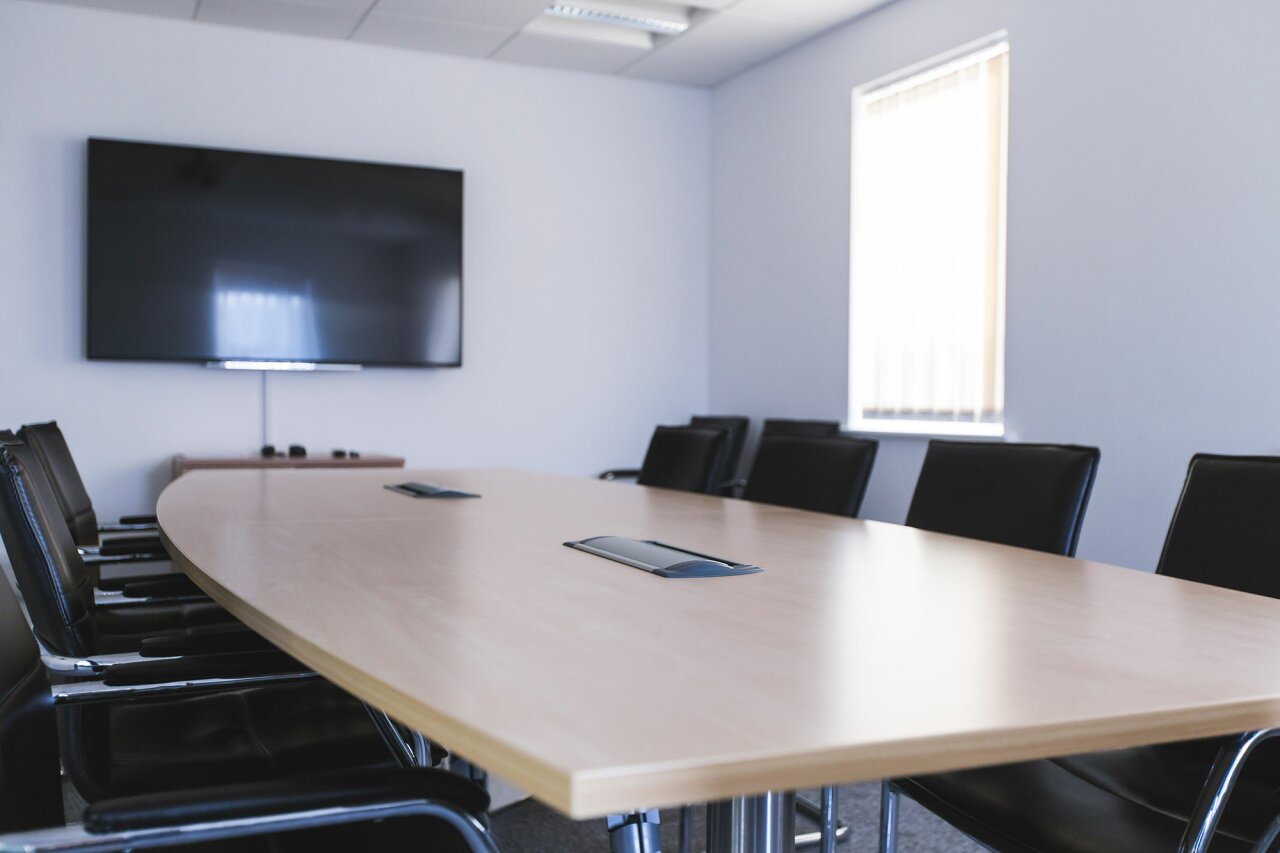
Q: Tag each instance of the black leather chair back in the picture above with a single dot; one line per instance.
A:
(784, 426)
(736, 426)
(819, 473)
(1225, 530)
(30, 787)
(687, 458)
(50, 573)
(1028, 495)
(51, 449)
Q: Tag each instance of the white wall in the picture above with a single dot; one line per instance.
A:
(586, 220)
(1144, 236)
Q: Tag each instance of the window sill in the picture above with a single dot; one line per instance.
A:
(926, 429)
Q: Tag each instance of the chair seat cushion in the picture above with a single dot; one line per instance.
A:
(121, 629)
(1168, 778)
(1041, 807)
(224, 738)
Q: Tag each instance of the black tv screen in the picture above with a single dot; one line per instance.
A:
(209, 255)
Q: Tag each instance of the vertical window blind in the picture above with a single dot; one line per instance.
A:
(928, 245)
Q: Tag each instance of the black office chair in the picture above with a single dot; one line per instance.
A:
(1028, 495)
(334, 810)
(690, 459)
(300, 725)
(142, 545)
(58, 588)
(819, 473)
(736, 427)
(1223, 533)
(786, 426)
(50, 446)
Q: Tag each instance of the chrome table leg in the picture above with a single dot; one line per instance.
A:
(829, 820)
(761, 824)
(818, 813)
(635, 832)
(686, 829)
(888, 817)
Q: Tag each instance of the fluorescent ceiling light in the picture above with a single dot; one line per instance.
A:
(671, 25)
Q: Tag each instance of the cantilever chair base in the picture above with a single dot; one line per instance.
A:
(1199, 833)
(81, 840)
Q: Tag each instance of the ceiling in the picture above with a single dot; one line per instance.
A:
(723, 37)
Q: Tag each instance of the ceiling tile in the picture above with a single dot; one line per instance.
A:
(428, 34)
(512, 14)
(543, 48)
(163, 8)
(718, 48)
(332, 18)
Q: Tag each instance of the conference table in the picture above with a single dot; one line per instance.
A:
(863, 651)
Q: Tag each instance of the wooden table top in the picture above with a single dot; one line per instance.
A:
(864, 650)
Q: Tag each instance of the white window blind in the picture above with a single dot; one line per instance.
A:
(928, 248)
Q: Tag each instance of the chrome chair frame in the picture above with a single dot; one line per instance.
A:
(117, 599)
(1222, 778)
(84, 692)
(78, 839)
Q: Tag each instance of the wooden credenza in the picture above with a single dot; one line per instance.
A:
(183, 463)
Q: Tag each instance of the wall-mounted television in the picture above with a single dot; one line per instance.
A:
(218, 256)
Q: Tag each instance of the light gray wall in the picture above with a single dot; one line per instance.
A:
(586, 245)
(1144, 236)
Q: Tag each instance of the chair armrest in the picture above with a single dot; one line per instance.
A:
(170, 677)
(128, 545)
(165, 586)
(228, 665)
(225, 639)
(139, 519)
(117, 584)
(304, 793)
(620, 474)
(116, 600)
(94, 559)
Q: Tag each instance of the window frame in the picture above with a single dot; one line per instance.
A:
(918, 426)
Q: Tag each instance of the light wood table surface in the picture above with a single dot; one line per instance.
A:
(864, 650)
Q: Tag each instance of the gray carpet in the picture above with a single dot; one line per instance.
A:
(529, 827)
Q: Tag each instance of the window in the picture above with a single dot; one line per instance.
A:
(928, 248)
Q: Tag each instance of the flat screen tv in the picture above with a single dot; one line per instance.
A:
(209, 255)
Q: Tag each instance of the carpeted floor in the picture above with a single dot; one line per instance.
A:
(529, 827)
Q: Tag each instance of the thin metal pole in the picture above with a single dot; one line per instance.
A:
(888, 817)
(812, 809)
(686, 829)
(829, 819)
(263, 392)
